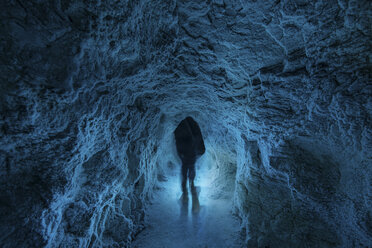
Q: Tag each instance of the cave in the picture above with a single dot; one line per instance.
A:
(92, 91)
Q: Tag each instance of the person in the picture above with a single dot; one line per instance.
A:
(190, 146)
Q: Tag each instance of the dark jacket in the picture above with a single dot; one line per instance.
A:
(189, 140)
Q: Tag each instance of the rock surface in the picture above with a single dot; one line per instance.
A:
(91, 91)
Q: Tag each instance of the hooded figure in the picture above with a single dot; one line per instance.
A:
(190, 146)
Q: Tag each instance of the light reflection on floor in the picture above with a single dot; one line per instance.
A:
(173, 224)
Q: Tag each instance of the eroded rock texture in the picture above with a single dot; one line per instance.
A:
(91, 89)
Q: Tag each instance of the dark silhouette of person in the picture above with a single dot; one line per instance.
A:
(190, 146)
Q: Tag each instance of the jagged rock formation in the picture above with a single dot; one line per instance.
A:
(90, 93)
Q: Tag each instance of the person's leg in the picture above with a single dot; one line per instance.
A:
(194, 194)
(191, 174)
(184, 177)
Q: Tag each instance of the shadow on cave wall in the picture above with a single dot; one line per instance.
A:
(293, 201)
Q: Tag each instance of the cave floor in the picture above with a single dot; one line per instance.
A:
(173, 224)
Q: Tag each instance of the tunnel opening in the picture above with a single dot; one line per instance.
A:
(170, 220)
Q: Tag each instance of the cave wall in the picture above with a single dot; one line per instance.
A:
(75, 151)
(89, 89)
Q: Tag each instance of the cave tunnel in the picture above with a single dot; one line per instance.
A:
(92, 91)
